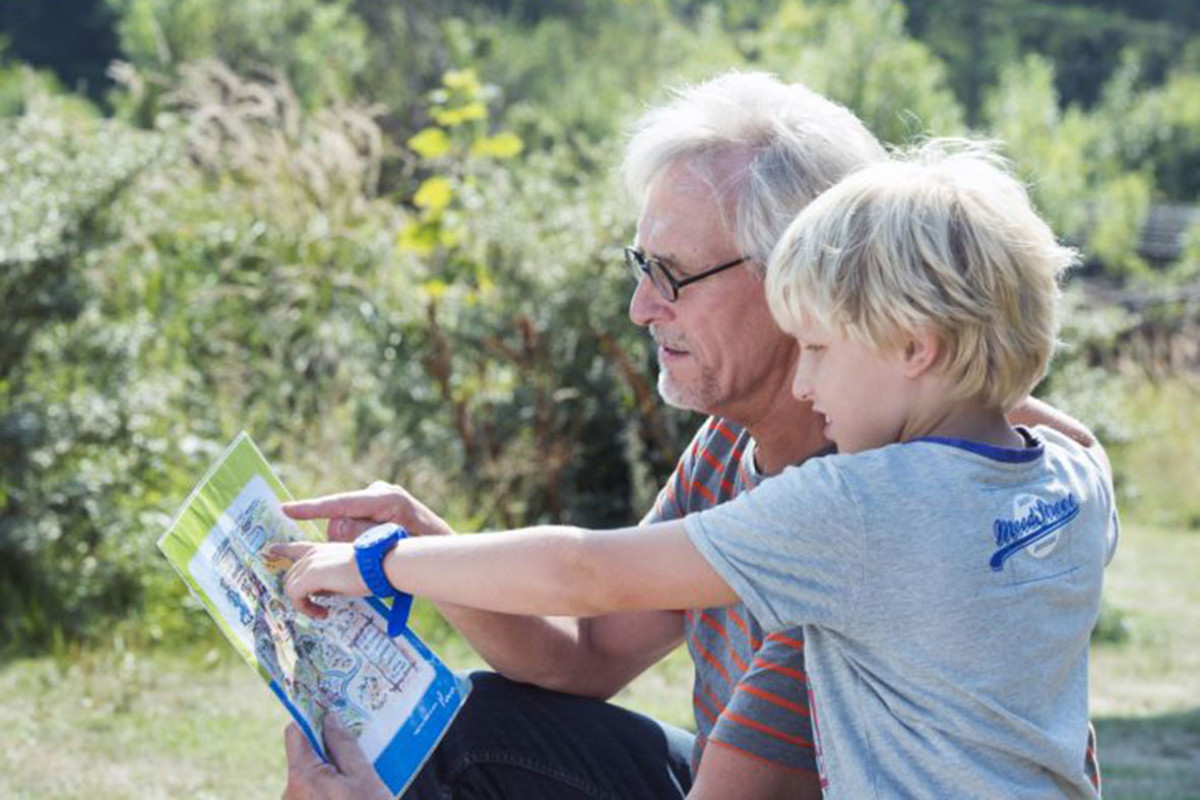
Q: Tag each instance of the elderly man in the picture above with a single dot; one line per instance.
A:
(719, 172)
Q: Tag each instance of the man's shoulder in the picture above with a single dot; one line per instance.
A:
(717, 447)
(722, 434)
(708, 473)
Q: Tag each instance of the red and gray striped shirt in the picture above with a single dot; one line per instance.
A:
(750, 691)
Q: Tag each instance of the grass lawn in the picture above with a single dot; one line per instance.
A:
(198, 724)
(1145, 692)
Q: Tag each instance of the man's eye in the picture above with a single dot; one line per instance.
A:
(814, 348)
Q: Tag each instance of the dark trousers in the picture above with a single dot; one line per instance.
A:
(515, 741)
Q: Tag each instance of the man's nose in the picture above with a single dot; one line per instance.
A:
(647, 305)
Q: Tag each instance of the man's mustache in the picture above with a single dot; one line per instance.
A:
(668, 341)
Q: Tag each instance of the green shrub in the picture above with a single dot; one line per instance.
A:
(82, 444)
(237, 268)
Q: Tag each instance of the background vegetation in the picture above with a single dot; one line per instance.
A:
(384, 238)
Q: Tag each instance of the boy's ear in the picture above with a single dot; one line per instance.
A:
(921, 353)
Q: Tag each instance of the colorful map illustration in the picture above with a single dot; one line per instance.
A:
(393, 694)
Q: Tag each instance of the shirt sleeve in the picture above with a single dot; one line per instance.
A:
(793, 548)
(1104, 485)
(672, 501)
(768, 715)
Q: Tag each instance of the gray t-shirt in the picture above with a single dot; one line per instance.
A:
(947, 591)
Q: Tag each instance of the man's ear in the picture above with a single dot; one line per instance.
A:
(922, 351)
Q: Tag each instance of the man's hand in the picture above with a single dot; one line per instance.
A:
(1038, 412)
(317, 569)
(348, 776)
(351, 513)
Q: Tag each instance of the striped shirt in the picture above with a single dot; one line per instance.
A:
(750, 692)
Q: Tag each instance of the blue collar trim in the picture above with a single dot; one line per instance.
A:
(1009, 455)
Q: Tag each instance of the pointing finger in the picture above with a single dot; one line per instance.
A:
(296, 589)
(366, 504)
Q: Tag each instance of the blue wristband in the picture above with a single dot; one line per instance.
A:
(397, 618)
(370, 549)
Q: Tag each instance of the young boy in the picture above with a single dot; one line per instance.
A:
(946, 567)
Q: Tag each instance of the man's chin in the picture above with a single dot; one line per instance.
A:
(681, 396)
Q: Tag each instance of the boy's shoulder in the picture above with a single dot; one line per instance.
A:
(1060, 445)
(1013, 498)
(942, 466)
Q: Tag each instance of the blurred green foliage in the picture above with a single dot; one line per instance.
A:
(302, 39)
(1086, 39)
(84, 433)
(385, 239)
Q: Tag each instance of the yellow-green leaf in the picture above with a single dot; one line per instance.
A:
(502, 145)
(430, 143)
(462, 79)
(457, 116)
(485, 284)
(449, 237)
(434, 288)
(418, 238)
(434, 194)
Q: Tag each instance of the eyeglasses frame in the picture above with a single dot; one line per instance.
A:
(637, 259)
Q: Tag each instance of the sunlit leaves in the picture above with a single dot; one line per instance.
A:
(418, 239)
(502, 145)
(1072, 161)
(1121, 204)
(295, 37)
(473, 111)
(449, 156)
(154, 300)
(462, 80)
(859, 54)
(434, 289)
(430, 143)
(434, 194)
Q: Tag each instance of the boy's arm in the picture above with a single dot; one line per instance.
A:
(542, 570)
(591, 656)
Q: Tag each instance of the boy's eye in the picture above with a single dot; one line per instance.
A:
(814, 348)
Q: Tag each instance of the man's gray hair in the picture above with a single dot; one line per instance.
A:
(794, 144)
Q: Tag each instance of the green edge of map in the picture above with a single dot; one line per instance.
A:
(240, 462)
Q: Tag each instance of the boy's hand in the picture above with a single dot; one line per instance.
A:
(351, 513)
(318, 569)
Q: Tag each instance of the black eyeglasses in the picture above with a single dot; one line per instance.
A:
(666, 283)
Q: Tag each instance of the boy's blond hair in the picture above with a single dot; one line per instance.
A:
(942, 239)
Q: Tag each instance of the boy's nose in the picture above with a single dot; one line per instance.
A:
(801, 385)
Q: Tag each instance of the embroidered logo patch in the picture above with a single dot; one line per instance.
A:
(1034, 525)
